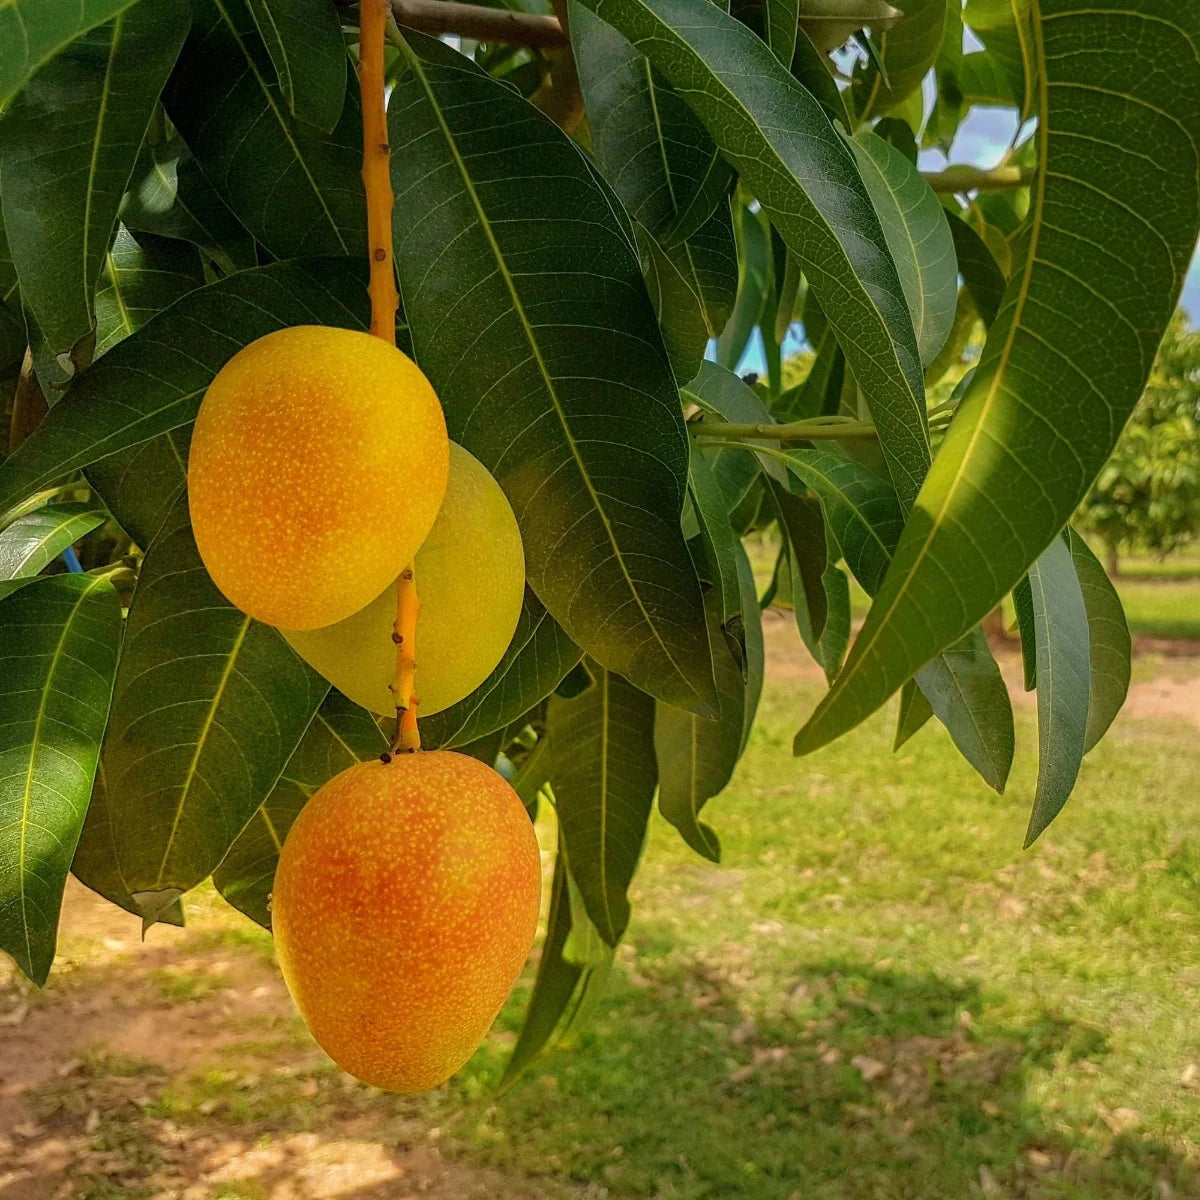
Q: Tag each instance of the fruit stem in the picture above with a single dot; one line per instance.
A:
(377, 182)
(404, 633)
(376, 176)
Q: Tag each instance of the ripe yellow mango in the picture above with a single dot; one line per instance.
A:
(470, 579)
(317, 466)
(404, 906)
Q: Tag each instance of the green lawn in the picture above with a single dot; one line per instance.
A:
(878, 994)
(1162, 606)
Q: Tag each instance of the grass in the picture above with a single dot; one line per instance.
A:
(1162, 606)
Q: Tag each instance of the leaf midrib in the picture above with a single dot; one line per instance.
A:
(543, 370)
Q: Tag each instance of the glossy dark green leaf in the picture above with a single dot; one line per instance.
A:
(142, 275)
(805, 177)
(554, 377)
(693, 286)
(95, 864)
(140, 485)
(697, 755)
(755, 650)
(154, 380)
(755, 281)
(983, 80)
(33, 31)
(815, 71)
(918, 236)
(963, 684)
(58, 653)
(1023, 604)
(68, 146)
(603, 770)
(298, 190)
(720, 542)
(830, 23)
(1109, 644)
(208, 708)
(304, 40)
(820, 393)
(905, 53)
(341, 734)
(562, 991)
(802, 525)
(915, 711)
(981, 273)
(781, 19)
(534, 664)
(1063, 681)
(34, 540)
(648, 144)
(170, 197)
(1114, 220)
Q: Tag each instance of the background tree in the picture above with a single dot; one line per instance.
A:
(584, 200)
(1147, 497)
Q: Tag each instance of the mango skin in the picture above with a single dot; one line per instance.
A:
(471, 583)
(405, 905)
(317, 467)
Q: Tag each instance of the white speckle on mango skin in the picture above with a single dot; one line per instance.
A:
(316, 469)
(405, 905)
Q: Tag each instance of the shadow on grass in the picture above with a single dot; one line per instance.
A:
(691, 1083)
(855, 1082)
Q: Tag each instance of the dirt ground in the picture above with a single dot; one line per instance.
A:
(107, 1080)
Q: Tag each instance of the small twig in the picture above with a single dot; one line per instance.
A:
(474, 21)
(377, 182)
(817, 429)
(962, 178)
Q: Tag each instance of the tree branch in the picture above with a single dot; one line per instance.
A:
(486, 24)
(962, 178)
(819, 429)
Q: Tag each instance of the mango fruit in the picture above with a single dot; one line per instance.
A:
(405, 904)
(317, 466)
(470, 575)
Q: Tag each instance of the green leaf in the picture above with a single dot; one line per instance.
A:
(1063, 678)
(782, 18)
(963, 684)
(1112, 228)
(720, 542)
(603, 768)
(562, 990)
(905, 53)
(696, 756)
(821, 392)
(58, 653)
(69, 144)
(304, 40)
(802, 525)
(805, 177)
(1109, 644)
(298, 190)
(983, 80)
(35, 540)
(33, 31)
(693, 285)
(648, 144)
(831, 22)
(208, 708)
(918, 236)
(95, 864)
(169, 196)
(341, 734)
(154, 380)
(915, 711)
(140, 485)
(554, 377)
(982, 276)
(534, 664)
(755, 281)
(1023, 604)
(815, 71)
(142, 275)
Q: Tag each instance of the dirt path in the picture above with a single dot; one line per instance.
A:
(178, 1071)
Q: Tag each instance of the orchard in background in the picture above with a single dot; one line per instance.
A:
(583, 201)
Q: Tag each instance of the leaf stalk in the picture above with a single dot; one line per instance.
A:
(816, 429)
